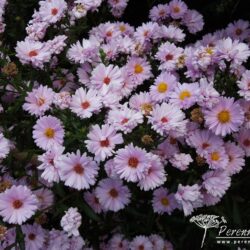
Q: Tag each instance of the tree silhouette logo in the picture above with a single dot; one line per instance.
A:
(206, 221)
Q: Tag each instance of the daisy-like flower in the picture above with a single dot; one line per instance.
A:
(168, 119)
(238, 30)
(39, 100)
(118, 242)
(225, 117)
(177, 9)
(141, 242)
(93, 201)
(106, 78)
(33, 52)
(236, 158)
(138, 70)
(185, 95)
(159, 12)
(181, 161)
(124, 119)
(168, 54)
(78, 171)
(102, 141)
(71, 221)
(203, 140)
(142, 102)
(155, 176)
(84, 103)
(163, 85)
(163, 202)
(49, 164)
(131, 163)
(53, 10)
(17, 204)
(112, 194)
(48, 132)
(172, 33)
(244, 85)
(4, 146)
(45, 197)
(189, 198)
(157, 241)
(243, 138)
(216, 182)
(193, 20)
(216, 157)
(34, 236)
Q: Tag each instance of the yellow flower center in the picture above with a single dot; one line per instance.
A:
(224, 116)
(122, 28)
(165, 201)
(162, 87)
(184, 94)
(138, 69)
(49, 132)
(215, 156)
(209, 50)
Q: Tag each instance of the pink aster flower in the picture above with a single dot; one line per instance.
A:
(208, 199)
(185, 95)
(85, 102)
(141, 242)
(147, 32)
(45, 197)
(225, 117)
(78, 171)
(124, 119)
(118, 242)
(17, 204)
(236, 158)
(163, 202)
(177, 9)
(189, 198)
(71, 221)
(33, 52)
(102, 141)
(157, 241)
(48, 132)
(53, 10)
(155, 176)
(172, 33)
(238, 30)
(168, 119)
(93, 201)
(4, 146)
(106, 78)
(244, 85)
(168, 54)
(203, 140)
(181, 161)
(39, 100)
(62, 100)
(164, 84)
(159, 12)
(49, 164)
(216, 157)
(138, 70)
(243, 139)
(131, 163)
(112, 194)
(34, 236)
(193, 20)
(216, 182)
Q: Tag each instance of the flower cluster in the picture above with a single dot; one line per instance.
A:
(117, 117)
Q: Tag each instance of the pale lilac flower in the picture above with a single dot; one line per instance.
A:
(189, 198)
(181, 161)
(155, 176)
(76, 243)
(163, 201)
(112, 194)
(159, 12)
(216, 182)
(48, 132)
(93, 201)
(102, 141)
(5, 146)
(141, 242)
(168, 119)
(78, 171)
(57, 240)
(45, 197)
(118, 242)
(225, 117)
(185, 95)
(172, 33)
(62, 100)
(17, 204)
(238, 30)
(34, 236)
(71, 221)
(243, 139)
(39, 100)
(157, 241)
(85, 102)
(131, 163)
(193, 20)
(57, 44)
(177, 9)
(244, 85)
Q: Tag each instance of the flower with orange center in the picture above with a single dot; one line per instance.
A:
(224, 116)
(133, 162)
(78, 168)
(49, 133)
(85, 105)
(215, 156)
(165, 201)
(54, 11)
(138, 69)
(162, 87)
(33, 53)
(184, 95)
